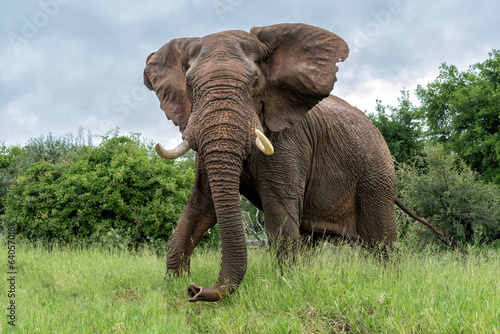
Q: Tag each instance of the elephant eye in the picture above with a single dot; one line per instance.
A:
(189, 86)
(256, 82)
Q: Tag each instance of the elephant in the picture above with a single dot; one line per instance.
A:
(256, 107)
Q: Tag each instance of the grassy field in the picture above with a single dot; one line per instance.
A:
(330, 290)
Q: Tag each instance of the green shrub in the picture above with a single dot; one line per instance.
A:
(14, 160)
(119, 192)
(441, 188)
(9, 156)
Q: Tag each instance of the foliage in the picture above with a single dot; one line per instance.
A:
(56, 149)
(14, 160)
(329, 290)
(9, 157)
(439, 186)
(118, 192)
(253, 221)
(462, 111)
(400, 128)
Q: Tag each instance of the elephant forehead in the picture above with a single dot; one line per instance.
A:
(224, 57)
(229, 35)
(231, 42)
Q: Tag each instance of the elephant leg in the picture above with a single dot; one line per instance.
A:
(282, 225)
(282, 198)
(196, 219)
(376, 222)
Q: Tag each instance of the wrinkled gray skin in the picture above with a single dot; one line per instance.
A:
(331, 172)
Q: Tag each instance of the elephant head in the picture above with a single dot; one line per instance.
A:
(224, 88)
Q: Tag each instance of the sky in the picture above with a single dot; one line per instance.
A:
(68, 64)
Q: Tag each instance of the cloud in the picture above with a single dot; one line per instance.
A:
(80, 63)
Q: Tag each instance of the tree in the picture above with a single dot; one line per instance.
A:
(401, 128)
(462, 111)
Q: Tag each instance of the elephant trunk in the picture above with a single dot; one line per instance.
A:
(223, 158)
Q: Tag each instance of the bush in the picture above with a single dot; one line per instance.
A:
(118, 192)
(9, 156)
(441, 188)
(14, 160)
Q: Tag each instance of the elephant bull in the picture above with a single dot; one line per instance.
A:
(256, 107)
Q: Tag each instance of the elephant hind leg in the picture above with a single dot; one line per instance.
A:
(376, 223)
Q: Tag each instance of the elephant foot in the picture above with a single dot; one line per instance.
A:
(183, 270)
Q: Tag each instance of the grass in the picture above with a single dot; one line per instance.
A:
(330, 290)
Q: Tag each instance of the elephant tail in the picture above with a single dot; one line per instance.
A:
(453, 244)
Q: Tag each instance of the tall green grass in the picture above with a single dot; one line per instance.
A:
(332, 289)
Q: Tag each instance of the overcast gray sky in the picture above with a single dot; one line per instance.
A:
(68, 63)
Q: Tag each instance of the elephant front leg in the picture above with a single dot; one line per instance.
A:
(282, 225)
(282, 197)
(196, 219)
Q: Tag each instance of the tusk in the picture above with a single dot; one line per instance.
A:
(263, 143)
(173, 153)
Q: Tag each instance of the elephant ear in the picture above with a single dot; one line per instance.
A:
(165, 74)
(301, 70)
